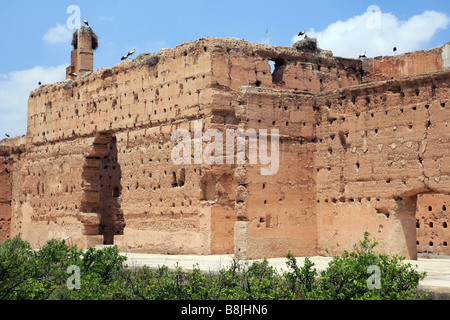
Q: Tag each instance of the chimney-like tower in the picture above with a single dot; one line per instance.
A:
(84, 43)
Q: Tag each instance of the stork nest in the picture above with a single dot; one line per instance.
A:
(308, 45)
(85, 30)
(149, 59)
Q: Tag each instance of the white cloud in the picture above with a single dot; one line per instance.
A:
(15, 88)
(58, 34)
(378, 32)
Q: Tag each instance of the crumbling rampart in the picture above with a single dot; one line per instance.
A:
(361, 148)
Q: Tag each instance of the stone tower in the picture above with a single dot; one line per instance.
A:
(84, 43)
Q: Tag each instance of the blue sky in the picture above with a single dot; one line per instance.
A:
(36, 38)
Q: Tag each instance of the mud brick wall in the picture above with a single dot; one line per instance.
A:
(353, 156)
(276, 213)
(432, 221)
(9, 156)
(406, 64)
(6, 167)
(379, 146)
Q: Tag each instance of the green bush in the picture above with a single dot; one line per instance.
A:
(16, 268)
(360, 274)
(44, 274)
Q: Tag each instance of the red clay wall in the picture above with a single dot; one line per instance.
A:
(9, 155)
(353, 157)
(277, 213)
(407, 64)
(378, 146)
(432, 224)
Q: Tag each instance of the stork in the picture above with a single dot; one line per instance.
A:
(129, 54)
(394, 49)
(73, 74)
(7, 135)
(301, 33)
(39, 83)
(85, 22)
(362, 55)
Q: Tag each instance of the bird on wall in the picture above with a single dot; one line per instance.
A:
(129, 54)
(303, 33)
(362, 55)
(7, 135)
(85, 22)
(39, 83)
(73, 74)
(394, 49)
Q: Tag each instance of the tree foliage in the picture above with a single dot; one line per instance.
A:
(27, 274)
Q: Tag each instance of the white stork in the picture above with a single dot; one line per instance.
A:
(129, 54)
(7, 135)
(73, 74)
(85, 22)
(362, 55)
(301, 33)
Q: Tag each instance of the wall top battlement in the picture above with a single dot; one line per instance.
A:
(183, 83)
(176, 84)
(407, 64)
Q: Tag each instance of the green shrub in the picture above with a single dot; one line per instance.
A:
(360, 274)
(43, 274)
(16, 268)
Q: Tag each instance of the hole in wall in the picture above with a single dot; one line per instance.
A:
(277, 68)
(342, 138)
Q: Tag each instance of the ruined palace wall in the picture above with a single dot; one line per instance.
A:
(407, 64)
(432, 224)
(353, 157)
(132, 103)
(276, 212)
(6, 171)
(239, 63)
(378, 146)
(48, 191)
(138, 104)
(166, 205)
(128, 96)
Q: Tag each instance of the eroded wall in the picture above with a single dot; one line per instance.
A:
(276, 213)
(406, 64)
(352, 157)
(6, 168)
(85, 172)
(432, 220)
(378, 147)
